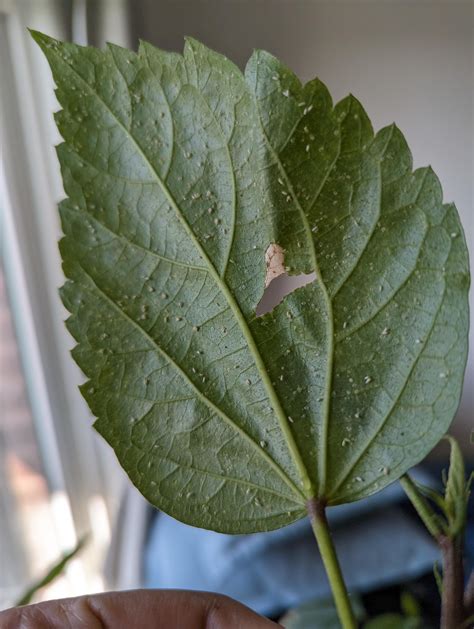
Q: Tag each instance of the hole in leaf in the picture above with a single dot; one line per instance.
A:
(278, 284)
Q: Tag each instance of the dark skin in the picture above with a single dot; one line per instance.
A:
(137, 609)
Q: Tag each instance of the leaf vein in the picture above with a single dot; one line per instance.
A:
(215, 409)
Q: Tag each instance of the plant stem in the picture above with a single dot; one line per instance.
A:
(317, 514)
(469, 595)
(452, 605)
(453, 610)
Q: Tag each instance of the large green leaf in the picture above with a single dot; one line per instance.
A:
(180, 172)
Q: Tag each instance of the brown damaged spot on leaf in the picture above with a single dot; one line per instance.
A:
(274, 259)
(278, 284)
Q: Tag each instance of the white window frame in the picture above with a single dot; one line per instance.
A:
(82, 473)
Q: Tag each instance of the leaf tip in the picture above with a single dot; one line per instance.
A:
(350, 103)
(36, 35)
(194, 47)
(44, 41)
(192, 41)
(111, 46)
(143, 47)
(258, 54)
(257, 58)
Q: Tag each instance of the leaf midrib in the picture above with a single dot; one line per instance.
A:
(306, 492)
(322, 458)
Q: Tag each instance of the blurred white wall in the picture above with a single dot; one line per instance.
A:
(407, 61)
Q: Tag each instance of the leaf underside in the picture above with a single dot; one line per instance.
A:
(180, 171)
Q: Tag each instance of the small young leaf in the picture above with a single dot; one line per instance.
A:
(393, 621)
(438, 578)
(435, 524)
(457, 490)
(468, 623)
(319, 614)
(51, 575)
(409, 605)
(180, 172)
(432, 494)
